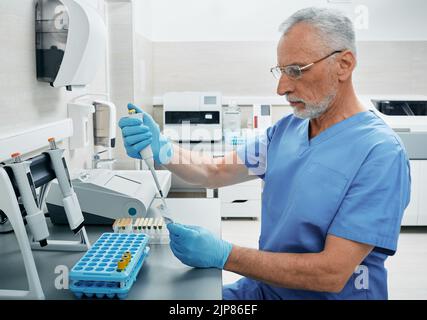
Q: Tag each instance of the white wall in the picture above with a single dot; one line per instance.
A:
(258, 20)
(130, 62)
(229, 45)
(242, 68)
(143, 18)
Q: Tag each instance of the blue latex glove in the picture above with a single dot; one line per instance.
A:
(137, 135)
(197, 247)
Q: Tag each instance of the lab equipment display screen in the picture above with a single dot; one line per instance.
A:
(195, 117)
(401, 108)
(210, 100)
(265, 110)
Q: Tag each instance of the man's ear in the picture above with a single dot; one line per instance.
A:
(346, 64)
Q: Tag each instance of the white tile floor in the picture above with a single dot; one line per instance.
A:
(407, 269)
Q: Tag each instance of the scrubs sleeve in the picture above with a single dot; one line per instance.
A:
(372, 209)
(253, 153)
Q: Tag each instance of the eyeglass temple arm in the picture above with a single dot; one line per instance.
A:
(335, 52)
(313, 63)
(308, 66)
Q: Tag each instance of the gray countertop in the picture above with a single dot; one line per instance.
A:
(162, 276)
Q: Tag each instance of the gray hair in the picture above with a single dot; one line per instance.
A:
(336, 31)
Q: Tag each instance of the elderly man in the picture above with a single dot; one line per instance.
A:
(337, 178)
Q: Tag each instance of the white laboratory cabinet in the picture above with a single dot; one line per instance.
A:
(241, 200)
(416, 212)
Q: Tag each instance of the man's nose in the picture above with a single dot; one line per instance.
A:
(285, 86)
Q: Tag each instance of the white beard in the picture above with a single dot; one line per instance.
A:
(313, 111)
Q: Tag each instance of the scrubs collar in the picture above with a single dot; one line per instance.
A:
(333, 130)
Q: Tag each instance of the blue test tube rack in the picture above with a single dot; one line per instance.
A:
(96, 274)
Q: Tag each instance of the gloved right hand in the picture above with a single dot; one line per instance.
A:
(137, 135)
(197, 247)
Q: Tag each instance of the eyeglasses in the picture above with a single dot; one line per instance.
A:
(295, 71)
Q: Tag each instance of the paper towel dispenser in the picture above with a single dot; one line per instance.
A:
(70, 42)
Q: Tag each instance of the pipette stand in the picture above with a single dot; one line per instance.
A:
(10, 207)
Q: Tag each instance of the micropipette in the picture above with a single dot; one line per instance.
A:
(147, 156)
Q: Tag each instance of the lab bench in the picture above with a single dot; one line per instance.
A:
(162, 277)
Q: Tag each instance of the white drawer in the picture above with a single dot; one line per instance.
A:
(232, 193)
(255, 183)
(249, 208)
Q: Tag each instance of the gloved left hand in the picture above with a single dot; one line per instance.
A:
(197, 247)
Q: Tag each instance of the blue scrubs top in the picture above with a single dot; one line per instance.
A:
(351, 181)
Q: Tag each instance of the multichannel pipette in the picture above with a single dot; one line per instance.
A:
(147, 156)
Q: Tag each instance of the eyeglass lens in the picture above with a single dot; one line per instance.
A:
(293, 72)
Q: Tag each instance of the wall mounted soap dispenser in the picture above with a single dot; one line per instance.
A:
(70, 42)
